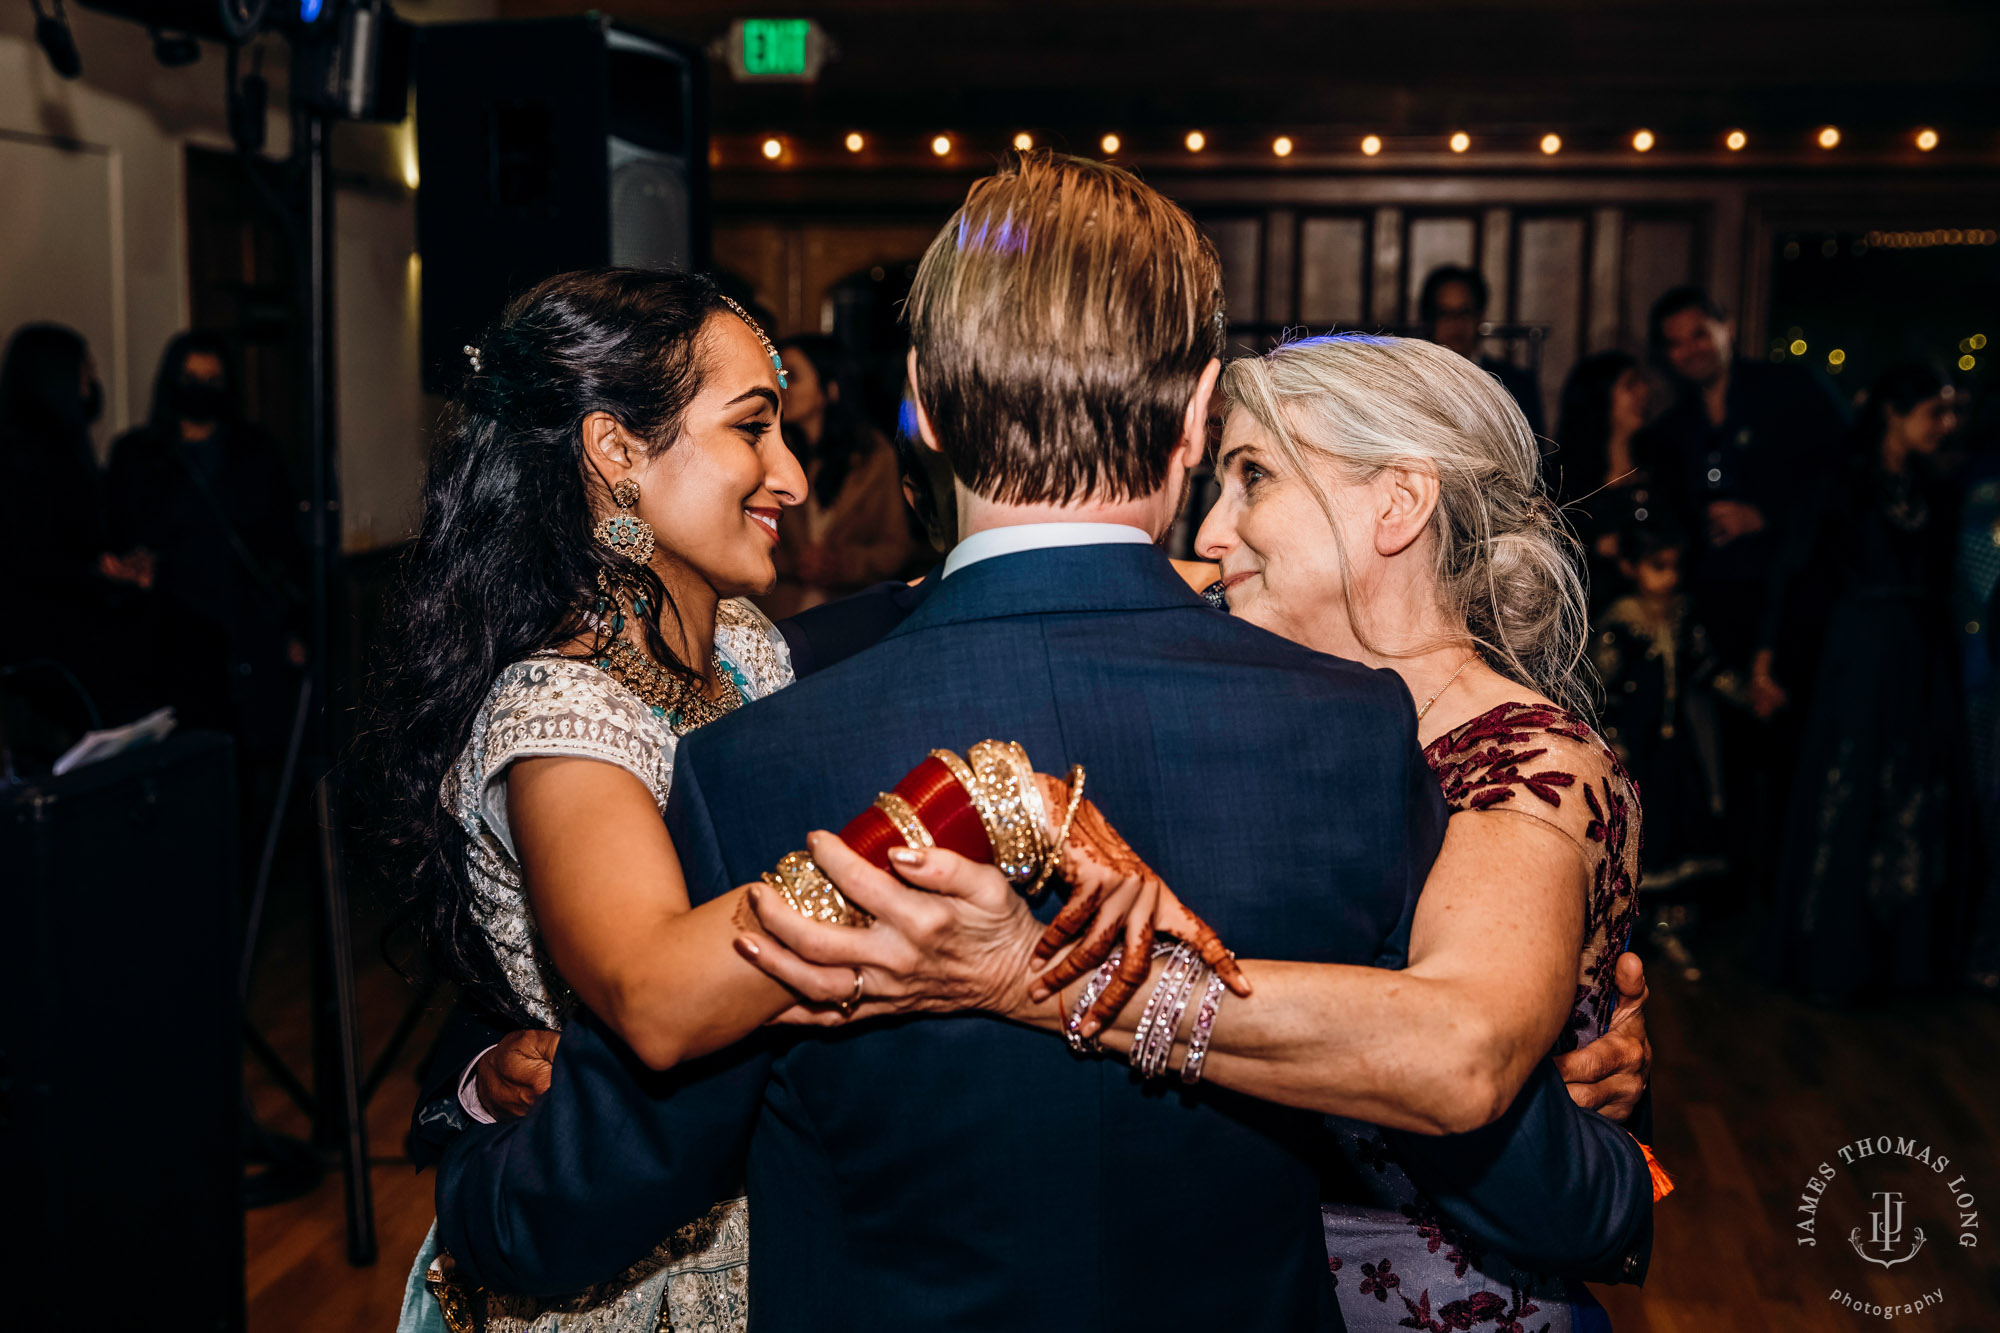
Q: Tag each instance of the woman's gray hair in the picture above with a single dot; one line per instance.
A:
(1506, 564)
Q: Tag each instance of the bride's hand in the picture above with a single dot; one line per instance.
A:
(1116, 897)
(958, 940)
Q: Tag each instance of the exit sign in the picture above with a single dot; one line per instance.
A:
(777, 50)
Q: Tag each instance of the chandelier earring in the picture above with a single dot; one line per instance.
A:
(625, 532)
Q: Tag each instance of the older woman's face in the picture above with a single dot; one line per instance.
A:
(1281, 568)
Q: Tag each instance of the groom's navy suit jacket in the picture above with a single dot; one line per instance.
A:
(970, 1174)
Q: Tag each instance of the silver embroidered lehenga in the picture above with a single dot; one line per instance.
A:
(697, 1279)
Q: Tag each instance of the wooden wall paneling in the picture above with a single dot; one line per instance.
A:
(1385, 295)
(1432, 241)
(755, 252)
(831, 253)
(1281, 236)
(1239, 242)
(1660, 253)
(1333, 271)
(1736, 274)
(1550, 283)
(1496, 248)
(1602, 328)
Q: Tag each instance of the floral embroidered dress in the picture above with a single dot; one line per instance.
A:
(698, 1278)
(1395, 1264)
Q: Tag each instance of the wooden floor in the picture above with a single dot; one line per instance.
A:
(1753, 1091)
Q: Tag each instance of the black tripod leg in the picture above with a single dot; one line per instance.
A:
(347, 1017)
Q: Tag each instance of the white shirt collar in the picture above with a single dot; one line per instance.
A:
(986, 544)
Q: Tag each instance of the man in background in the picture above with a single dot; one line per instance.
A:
(1742, 445)
(1452, 306)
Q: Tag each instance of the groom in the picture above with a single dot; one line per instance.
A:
(964, 1173)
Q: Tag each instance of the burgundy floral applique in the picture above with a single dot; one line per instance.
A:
(1374, 1152)
(1482, 1307)
(1378, 1281)
(1485, 762)
(1333, 1265)
(1431, 1230)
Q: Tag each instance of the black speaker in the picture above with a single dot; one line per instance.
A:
(121, 1067)
(544, 146)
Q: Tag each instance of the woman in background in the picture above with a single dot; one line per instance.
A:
(1598, 471)
(854, 528)
(201, 499)
(1878, 842)
(72, 615)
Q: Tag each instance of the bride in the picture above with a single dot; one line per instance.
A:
(607, 486)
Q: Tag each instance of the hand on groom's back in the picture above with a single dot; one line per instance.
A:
(516, 1071)
(1609, 1076)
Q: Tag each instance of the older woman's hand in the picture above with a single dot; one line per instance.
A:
(955, 937)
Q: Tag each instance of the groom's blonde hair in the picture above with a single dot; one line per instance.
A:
(1061, 321)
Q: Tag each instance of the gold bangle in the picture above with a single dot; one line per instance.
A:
(898, 812)
(1054, 857)
(1016, 836)
(805, 887)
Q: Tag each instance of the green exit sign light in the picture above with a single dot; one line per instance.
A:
(777, 50)
(775, 47)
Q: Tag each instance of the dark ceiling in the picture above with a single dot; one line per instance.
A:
(1397, 66)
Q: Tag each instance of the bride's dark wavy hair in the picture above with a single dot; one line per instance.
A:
(505, 565)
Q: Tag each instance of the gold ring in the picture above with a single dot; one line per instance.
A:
(847, 1006)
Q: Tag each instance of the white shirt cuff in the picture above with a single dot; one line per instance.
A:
(468, 1090)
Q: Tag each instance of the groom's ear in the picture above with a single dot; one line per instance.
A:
(925, 431)
(1193, 444)
(1408, 497)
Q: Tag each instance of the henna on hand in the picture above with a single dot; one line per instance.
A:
(1095, 856)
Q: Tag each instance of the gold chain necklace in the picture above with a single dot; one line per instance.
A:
(1447, 685)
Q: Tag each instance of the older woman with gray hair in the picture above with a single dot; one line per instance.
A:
(1381, 501)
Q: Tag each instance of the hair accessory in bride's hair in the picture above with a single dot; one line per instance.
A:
(475, 356)
(762, 337)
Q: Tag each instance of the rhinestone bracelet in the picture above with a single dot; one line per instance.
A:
(1073, 1026)
(1197, 973)
(1149, 1052)
(1204, 1027)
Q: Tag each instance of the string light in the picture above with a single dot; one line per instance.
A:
(1460, 142)
(1552, 144)
(1023, 142)
(1967, 362)
(1735, 141)
(1927, 139)
(1371, 145)
(1829, 137)
(855, 143)
(1195, 141)
(941, 145)
(1282, 146)
(1798, 347)
(1643, 141)
(773, 149)
(1109, 143)
(1836, 357)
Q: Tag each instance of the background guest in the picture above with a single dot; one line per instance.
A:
(1741, 442)
(203, 495)
(69, 609)
(1659, 679)
(1975, 604)
(1595, 471)
(1880, 836)
(1452, 305)
(854, 528)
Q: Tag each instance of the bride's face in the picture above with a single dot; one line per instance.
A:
(1281, 568)
(715, 496)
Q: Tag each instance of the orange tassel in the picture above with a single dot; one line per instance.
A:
(1663, 1184)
